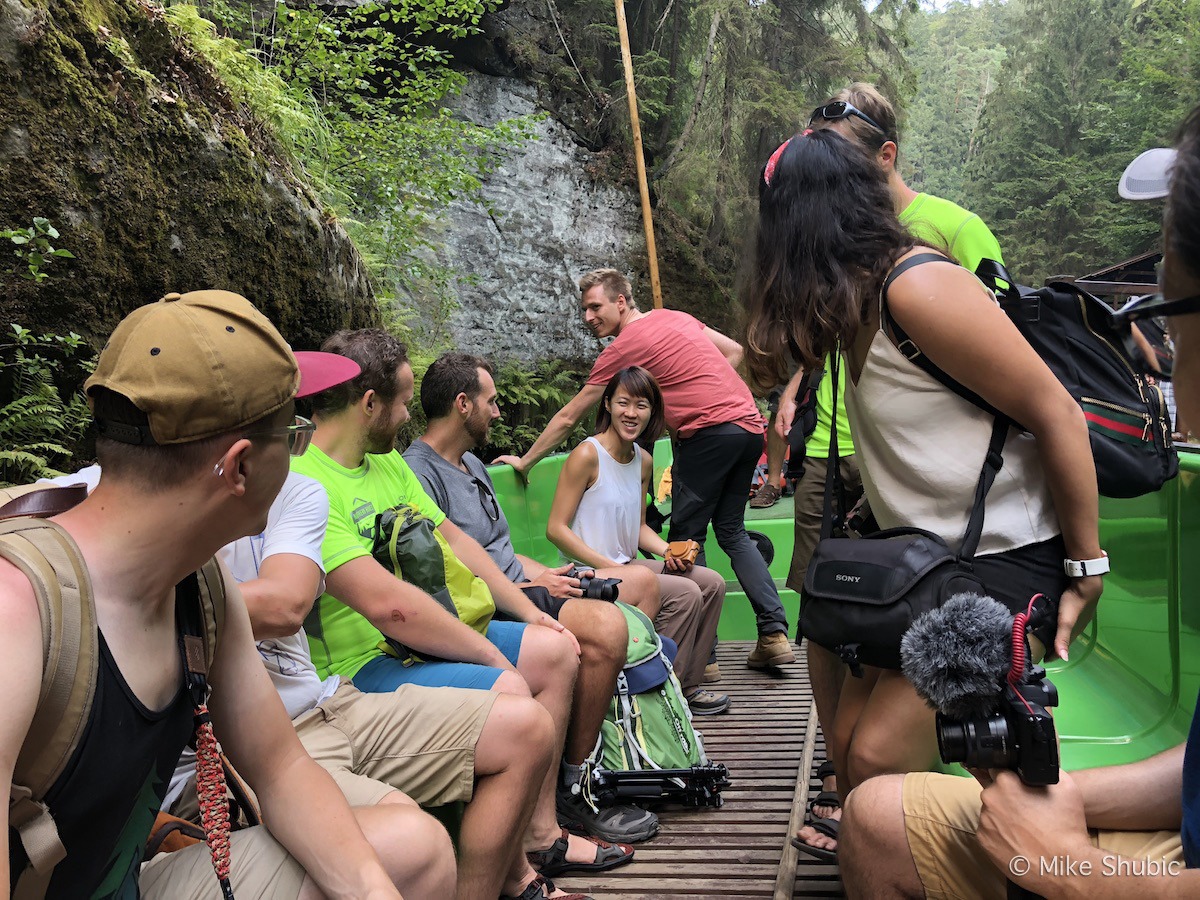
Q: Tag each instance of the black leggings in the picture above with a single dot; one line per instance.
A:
(1014, 576)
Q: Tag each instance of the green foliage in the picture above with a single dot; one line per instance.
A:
(355, 93)
(40, 431)
(34, 249)
(528, 398)
(1029, 110)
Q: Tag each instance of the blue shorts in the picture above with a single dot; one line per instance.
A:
(384, 674)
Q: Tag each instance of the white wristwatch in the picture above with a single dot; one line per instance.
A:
(1080, 568)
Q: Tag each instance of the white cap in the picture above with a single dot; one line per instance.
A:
(1148, 176)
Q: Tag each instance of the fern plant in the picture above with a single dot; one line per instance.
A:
(40, 431)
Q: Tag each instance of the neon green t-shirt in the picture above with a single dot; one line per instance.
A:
(818, 442)
(343, 641)
(947, 224)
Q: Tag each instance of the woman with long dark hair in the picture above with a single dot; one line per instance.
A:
(828, 238)
(598, 518)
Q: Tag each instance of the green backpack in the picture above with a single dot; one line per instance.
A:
(648, 749)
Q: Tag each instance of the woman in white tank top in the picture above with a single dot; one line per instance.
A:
(828, 238)
(598, 519)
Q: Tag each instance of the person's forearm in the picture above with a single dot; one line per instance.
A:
(1111, 804)
(1097, 874)
(274, 613)
(1072, 486)
(554, 434)
(533, 568)
(336, 855)
(427, 628)
(507, 596)
(651, 542)
(573, 547)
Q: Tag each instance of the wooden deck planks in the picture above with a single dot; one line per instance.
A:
(735, 851)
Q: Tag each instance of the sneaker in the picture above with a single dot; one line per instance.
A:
(708, 703)
(771, 650)
(624, 824)
(712, 673)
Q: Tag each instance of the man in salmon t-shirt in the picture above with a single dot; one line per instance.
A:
(716, 428)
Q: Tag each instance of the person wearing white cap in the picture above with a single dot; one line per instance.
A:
(1112, 832)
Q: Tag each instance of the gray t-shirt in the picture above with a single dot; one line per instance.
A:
(469, 500)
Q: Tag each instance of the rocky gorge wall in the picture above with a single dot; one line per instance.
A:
(549, 218)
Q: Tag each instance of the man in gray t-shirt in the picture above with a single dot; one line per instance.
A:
(458, 396)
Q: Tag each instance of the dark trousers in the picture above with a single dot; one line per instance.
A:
(710, 482)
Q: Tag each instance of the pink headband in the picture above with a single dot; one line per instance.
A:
(769, 171)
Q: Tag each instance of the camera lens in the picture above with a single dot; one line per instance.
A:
(976, 743)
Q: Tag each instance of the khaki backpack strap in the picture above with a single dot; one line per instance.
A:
(212, 605)
(50, 559)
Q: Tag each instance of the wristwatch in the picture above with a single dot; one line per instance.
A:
(1080, 568)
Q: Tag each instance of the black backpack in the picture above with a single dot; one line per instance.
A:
(1075, 334)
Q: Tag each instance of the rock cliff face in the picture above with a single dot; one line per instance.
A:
(551, 219)
(115, 131)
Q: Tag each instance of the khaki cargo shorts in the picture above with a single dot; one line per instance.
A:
(941, 813)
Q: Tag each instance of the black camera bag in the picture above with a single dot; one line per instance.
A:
(1075, 335)
(861, 595)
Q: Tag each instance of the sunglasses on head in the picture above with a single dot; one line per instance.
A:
(840, 109)
(299, 434)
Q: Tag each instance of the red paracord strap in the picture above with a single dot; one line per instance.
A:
(210, 787)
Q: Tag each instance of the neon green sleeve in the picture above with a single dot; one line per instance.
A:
(974, 241)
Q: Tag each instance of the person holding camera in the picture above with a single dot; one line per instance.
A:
(598, 518)
(1127, 830)
(828, 241)
(459, 399)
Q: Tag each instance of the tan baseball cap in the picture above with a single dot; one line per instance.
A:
(198, 365)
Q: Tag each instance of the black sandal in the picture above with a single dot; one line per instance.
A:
(539, 889)
(553, 860)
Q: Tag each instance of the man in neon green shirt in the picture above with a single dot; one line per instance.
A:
(860, 113)
(365, 605)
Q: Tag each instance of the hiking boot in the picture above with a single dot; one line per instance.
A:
(771, 650)
(712, 673)
(624, 824)
(708, 703)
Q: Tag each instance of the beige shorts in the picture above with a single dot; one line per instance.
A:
(261, 868)
(941, 814)
(418, 740)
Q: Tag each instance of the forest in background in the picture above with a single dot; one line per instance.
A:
(1024, 111)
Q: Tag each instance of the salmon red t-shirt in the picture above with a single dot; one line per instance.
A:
(700, 388)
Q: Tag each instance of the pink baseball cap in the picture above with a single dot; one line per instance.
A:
(320, 371)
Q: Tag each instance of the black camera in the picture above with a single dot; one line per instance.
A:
(1019, 737)
(595, 588)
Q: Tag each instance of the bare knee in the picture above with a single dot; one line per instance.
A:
(601, 631)
(868, 758)
(511, 682)
(873, 852)
(639, 587)
(414, 848)
(548, 659)
(518, 732)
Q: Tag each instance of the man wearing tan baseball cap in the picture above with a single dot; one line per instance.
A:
(193, 401)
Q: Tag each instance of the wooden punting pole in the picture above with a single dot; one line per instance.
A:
(639, 158)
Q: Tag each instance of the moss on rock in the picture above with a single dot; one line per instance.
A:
(117, 131)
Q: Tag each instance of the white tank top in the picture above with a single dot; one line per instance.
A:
(921, 447)
(609, 516)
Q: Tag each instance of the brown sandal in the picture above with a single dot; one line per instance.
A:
(765, 496)
(539, 889)
(553, 860)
